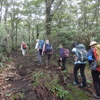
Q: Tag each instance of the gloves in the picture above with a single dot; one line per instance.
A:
(90, 58)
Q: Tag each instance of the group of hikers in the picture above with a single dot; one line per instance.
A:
(80, 55)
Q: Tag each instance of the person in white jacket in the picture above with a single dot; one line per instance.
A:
(23, 48)
(38, 52)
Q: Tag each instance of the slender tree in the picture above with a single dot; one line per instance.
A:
(51, 8)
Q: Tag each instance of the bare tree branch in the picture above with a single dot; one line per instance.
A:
(56, 7)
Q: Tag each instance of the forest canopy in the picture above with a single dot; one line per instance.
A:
(27, 20)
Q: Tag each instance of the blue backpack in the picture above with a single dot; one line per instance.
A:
(48, 47)
(41, 43)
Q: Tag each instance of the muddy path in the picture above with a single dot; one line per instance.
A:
(16, 82)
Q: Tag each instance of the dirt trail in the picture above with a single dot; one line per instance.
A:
(15, 79)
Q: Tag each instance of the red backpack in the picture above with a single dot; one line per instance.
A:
(24, 46)
(96, 52)
(66, 53)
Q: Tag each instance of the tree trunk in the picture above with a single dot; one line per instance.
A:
(16, 37)
(48, 21)
(1, 11)
(37, 28)
(50, 13)
(12, 32)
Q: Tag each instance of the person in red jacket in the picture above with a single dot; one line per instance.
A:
(23, 48)
(95, 73)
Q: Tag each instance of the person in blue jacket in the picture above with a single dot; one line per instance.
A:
(61, 59)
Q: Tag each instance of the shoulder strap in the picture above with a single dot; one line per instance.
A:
(77, 52)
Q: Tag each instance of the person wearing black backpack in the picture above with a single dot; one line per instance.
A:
(79, 64)
(47, 50)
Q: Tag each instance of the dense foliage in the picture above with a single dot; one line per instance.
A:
(60, 21)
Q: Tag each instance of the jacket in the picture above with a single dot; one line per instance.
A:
(61, 52)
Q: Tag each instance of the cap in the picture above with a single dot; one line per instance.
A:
(37, 40)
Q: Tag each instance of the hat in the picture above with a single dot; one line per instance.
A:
(60, 46)
(37, 40)
(92, 43)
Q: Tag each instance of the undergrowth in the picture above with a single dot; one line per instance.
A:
(51, 81)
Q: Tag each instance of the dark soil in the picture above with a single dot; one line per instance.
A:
(16, 79)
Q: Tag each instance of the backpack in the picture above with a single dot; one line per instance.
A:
(48, 47)
(41, 43)
(24, 46)
(81, 53)
(96, 52)
(65, 53)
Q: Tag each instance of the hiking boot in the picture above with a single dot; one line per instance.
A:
(59, 68)
(75, 83)
(46, 67)
(81, 85)
(96, 96)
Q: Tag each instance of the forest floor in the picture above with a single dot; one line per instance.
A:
(16, 82)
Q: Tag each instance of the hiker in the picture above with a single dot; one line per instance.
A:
(79, 65)
(95, 72)
(62, 58)
(48, 50)
(38, 51)
(23, 48)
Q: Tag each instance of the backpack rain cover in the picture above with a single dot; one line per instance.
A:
(81, 53)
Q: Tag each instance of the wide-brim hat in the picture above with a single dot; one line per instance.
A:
(92, 43)
(60, 46)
